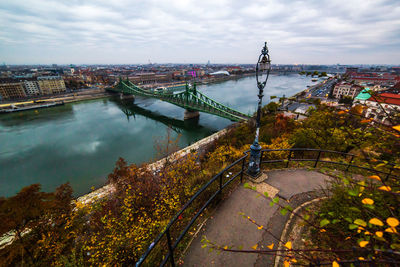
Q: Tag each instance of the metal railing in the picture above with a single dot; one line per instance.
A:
(292, 155)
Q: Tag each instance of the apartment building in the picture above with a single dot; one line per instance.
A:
(31, 87)
(51, 85)
(346, 89)
(11, 89)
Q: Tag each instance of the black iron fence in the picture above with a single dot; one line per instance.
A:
(281, 158)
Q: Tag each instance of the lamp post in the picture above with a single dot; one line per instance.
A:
(263, 65)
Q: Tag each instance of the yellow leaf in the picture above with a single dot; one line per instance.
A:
(286, 264)
(226, 247)
(255, 246)
(357, 109)
(322, 230)
(376, 221)
(367, 201)
(385, 188)
(288, 245)
(379, 233)
(271, 246)
(393, 222)
(363, 243)
(347, 238)
(335, 264)
(341, 112)
(294, 260)
(260, 227)
(397, 127)
(361, 258)
(390, 230)
(376, 177)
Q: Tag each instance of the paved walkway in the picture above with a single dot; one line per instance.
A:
(227, 227)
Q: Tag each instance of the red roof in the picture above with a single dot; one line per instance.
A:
(373, 78)
(386, 98)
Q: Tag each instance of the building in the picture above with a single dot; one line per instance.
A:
(221, 73)
(377, 107)
(10, 89)
(51, 85)
(346, 89)
(31, 87)
(150, 78)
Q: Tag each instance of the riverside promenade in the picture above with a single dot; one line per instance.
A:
(228, 228)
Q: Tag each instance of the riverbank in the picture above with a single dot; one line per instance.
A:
(89, 94)
(66, 98)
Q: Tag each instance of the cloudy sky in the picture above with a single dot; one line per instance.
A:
(185, 31)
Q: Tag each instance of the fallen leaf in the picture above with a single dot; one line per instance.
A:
(255, 246)
(271, 246)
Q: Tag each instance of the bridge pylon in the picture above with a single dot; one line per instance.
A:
(190, 114)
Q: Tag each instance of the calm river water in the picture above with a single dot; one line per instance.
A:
(80, 142)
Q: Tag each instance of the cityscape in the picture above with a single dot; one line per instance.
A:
(21, 83)
(213, 133)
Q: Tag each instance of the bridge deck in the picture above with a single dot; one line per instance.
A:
(190, 99)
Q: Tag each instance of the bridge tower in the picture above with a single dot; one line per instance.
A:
(190, 114)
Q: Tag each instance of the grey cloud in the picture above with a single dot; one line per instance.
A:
(196, 31)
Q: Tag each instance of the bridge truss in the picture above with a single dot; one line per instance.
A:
(190, 99)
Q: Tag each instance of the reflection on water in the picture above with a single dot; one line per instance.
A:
(37, 116)
(80, 142)
(130, 109)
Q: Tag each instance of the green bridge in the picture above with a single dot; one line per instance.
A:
(190, 99)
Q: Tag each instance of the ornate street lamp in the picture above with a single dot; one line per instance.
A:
(263, 67)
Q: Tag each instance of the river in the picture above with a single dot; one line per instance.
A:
(80, 142)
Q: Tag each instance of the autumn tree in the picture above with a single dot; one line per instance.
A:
(32, 216)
